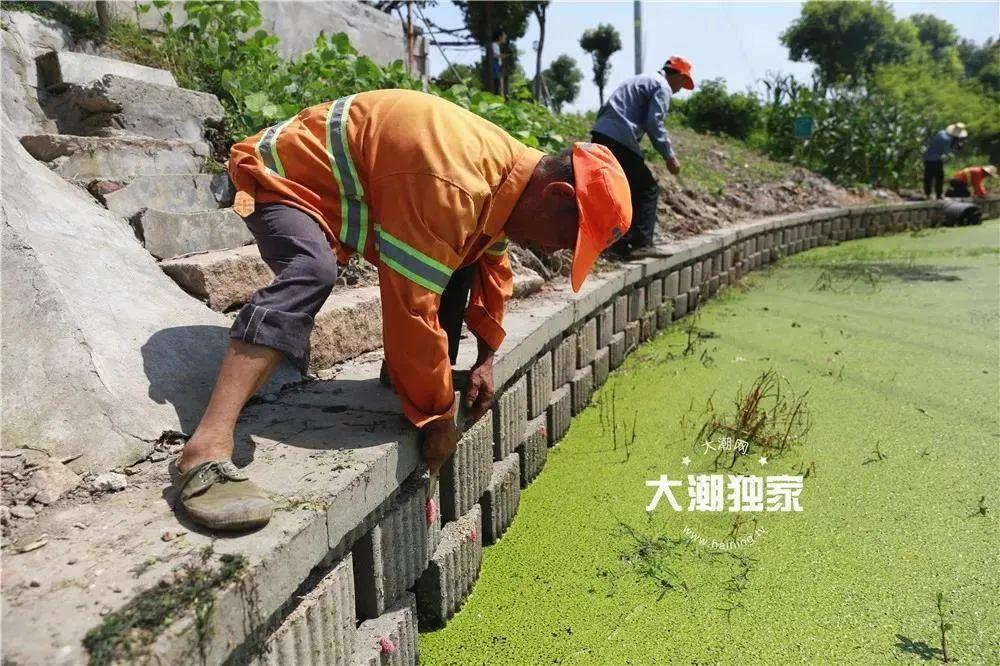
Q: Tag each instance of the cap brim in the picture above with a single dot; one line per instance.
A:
(688, 83)
(584, 256)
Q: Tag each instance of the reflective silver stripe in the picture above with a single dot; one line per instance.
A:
(268, 151)
(498, 248)
(411, 263)
(353, 210)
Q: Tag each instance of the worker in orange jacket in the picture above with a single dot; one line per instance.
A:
(421, 188)
(970, 177)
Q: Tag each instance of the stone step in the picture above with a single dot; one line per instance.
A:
(59, 69)
(85, 158)
(116, 106)
(225, 279)
(178, 193)
(348, 325)
(166, 235)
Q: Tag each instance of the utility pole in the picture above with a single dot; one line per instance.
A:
(409, 36)
(638, 36)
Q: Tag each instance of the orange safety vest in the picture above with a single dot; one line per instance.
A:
(972, 176)
(419, 186)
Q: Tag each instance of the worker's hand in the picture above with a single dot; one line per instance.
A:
(674, 166)
(479, 394)
(439, 441)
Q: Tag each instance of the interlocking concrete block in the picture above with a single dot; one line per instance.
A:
(534, 450)
(681, 304)
(647, 325)
(503, 494)
(389, 558)
(166, 234)
(713, 285)
(696, 274)
(694, 299)
(636, 303)
(602, 365)
(511, 416)
(539, 385)
(559, 413)
(84, 158)
(605, 326)
(321, 629)
(59, 69)
(616, 350)
(654, 294)
(176, 193)
(453, 570)
(670, 285)
(684, 284)
(631, 336)
(465, 475)
(665, 314)
(586, 343)
(392, 639)
(348, 325)
(564, 361)
(582, 387)
(727, 260)
(621, 312)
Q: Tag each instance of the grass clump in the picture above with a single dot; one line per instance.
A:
(127, 633)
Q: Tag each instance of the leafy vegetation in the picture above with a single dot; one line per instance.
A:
(563, 78)
(712, 109)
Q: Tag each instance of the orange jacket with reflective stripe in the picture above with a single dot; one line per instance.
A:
(419, 186)
(973, 177)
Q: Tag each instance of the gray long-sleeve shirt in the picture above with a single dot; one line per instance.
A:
(636, 107)
(940, 147)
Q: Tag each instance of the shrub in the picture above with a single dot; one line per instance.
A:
(712, 109)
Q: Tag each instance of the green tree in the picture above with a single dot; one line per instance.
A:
(982, 63)
(539, 9)
(712, 109)
(563, 80)
(601, 42)
(460, 74)
(935, 33)
(848, 41)
(482, 18)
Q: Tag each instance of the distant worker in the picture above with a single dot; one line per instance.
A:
(499, 39)
(420, 188)
(943, 143)
(636, 107)
(971, 176)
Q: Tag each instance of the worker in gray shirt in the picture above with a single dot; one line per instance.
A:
(636, 107)
(945, 141)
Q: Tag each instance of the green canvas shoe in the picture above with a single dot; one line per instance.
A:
(219, 496)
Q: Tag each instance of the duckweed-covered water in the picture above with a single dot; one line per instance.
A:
(894, 342)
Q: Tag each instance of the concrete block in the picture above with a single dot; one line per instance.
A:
(59, 69)
(465, 475)
(636, 303)
(348, 325)
(225, 279)
(564, 361)
(713, 285)
(392, 639)
(533, 450)
(602, 366)
(539, 385)
(166, 235)
(725, 277)
(177, 193)
(119, 106)
(586, 343)
(681, 304)
(727, 260)
(696, 275)
(453, 570)
(665, 314)
(501, 498)
(670, 284)
(616, 350)
(389, 559)
(654, 294)
(647, 325)
(582, 387)
(511, 417)
(605, 326)
(631, 336)
(559, 413)
(621, 312)
(684, 284)
(84, 158)
(321, 628)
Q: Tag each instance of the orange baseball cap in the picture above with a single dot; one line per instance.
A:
(604, 202)
(683, 66)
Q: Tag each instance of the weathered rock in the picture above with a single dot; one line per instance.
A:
(118, 106)
(348, 325)
(109, 482)
(23, 36)
(225, 279)
(177, 193)
(85, 158)
(62, 68)
(166, 235)
(53, 481)
(526, 282)
(22, 511)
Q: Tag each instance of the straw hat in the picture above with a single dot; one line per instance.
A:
(992, 170)
(957, 130)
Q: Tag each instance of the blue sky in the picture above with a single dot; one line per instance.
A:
(735, 40)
